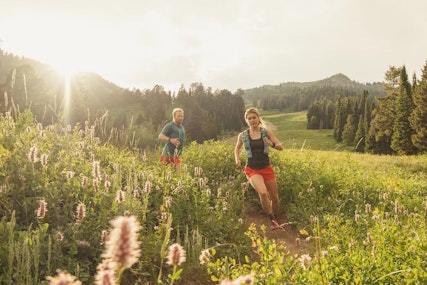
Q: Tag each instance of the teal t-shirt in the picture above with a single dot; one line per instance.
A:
(173, 131)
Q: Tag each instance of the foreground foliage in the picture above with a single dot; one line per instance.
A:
(363, 216)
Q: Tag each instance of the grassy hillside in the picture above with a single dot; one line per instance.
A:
(290, 129)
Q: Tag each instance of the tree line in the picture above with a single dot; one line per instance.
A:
(129, 118)
(391, 124)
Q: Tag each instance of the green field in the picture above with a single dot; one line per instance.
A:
(291, 130)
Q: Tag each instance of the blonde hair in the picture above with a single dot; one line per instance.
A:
(256, 112)
(176, 110)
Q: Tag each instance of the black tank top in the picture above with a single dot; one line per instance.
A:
(259, 159)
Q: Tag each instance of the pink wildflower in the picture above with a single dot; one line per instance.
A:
(122, 246)
(63, 278)
(176, 254)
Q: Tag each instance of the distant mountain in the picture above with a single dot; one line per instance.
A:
(338, 83)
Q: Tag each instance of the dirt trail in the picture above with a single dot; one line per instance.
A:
(287, 236)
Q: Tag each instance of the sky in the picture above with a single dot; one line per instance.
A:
(223, 44)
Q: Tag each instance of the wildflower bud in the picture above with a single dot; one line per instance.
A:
(43, 159)
(120, 196)
(80, 212)
(32, 155)
(95, 170)
(147, 187)
(105, 274)
(41, 211)
(176, 254)
(63, 278)
(204, 257)
(122, 246)
(59, 236)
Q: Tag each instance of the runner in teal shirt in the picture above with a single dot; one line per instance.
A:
(173, 134)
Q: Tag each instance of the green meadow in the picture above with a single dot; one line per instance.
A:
(291, 129)
(361, 218)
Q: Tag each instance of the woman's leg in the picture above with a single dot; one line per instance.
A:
(272, 189)
(257, 181)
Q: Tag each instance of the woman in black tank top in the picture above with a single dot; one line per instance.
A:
(256, 141)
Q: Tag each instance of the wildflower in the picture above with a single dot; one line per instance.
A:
(168, 202)
(240, 220)
(84, 181)
(107, 184)
(69, 174)
(59, 236)
(95, 184)
(122, 246)
(39, 126)
(41, 211)
(176, 254)
(205, 256)
(105, 274)
(63, 278)
(83, 244)
(305, 261)
(208, 192)
(80, 212)
(28, 129)
(147, 187)
(198, 171)
(164, 216)
(95, 170)
(224, 206)
(201, 182)
(356, 217)
(334, 247)
(137, 193)
(32, 155)
(43, 159)
(168, 176)
(120, 196)
(104, 237)
(368, 208)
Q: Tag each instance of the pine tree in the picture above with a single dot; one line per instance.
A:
(401, 141)
(418, 118)
(381, 129)
(349, 131)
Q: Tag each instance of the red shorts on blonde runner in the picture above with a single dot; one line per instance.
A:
(267, 173)
(169, 159)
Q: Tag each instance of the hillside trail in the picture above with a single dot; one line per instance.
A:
(288, 236)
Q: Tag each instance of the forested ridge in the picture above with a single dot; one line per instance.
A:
(362, 115)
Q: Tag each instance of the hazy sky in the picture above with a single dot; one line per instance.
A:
(224, 44)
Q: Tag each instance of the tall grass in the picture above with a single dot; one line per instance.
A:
(363, 217)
